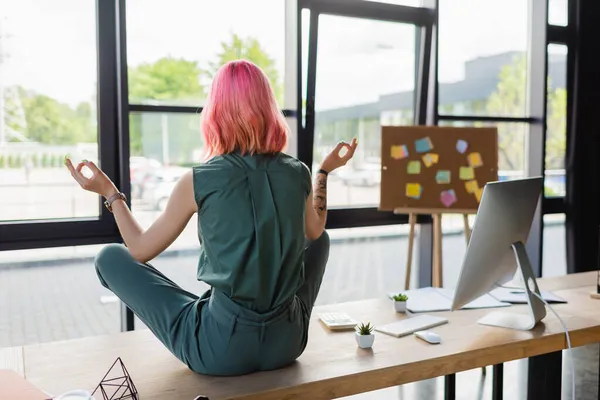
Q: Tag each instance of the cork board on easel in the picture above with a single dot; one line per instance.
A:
(438, 169)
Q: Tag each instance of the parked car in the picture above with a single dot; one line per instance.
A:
(142, 170)
(158, 190)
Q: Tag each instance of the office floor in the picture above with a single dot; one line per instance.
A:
(46, 303)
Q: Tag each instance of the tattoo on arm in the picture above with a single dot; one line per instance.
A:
(320, 194)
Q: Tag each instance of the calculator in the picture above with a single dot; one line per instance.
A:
(337, 320)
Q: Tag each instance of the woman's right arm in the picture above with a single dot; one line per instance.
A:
(316, 202)
(316, 207)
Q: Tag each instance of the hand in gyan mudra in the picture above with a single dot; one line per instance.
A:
(335, 159)
(97, 183)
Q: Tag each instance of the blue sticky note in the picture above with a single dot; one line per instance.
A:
(423, 145)
(462, 146)
(442, 176)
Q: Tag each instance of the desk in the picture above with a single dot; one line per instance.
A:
(332, 365)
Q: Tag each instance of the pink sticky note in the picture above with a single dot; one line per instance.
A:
(448, 197)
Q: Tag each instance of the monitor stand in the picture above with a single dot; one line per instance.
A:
(536, 309)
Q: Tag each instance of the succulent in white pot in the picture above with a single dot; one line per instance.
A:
(364, 335)
(400, 302)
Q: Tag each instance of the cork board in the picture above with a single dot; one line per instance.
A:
(436, 169)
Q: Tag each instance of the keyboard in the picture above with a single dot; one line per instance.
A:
(337, 320)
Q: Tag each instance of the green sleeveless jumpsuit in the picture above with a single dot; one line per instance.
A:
(264, 275)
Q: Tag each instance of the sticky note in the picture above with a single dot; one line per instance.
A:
(462, 146)
(475, 160)
(399, 152)
(471, 186)
(448, 197)
(430, 158)
(442, 176)
(423, 145)
(413, 190)
(466, 173)
(413, 167)
(478, 194)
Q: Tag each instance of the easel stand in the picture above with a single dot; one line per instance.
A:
(437, 272)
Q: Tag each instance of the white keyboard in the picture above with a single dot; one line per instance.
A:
(410, 325)
(337, 320)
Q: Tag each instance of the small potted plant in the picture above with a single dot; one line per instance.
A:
(400, 302)
(364, 335)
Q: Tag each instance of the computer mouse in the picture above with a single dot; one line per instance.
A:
(429, 337)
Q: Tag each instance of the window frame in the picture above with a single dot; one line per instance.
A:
(28, 234)
(423, 19)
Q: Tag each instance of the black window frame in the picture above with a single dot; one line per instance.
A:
(28, 234)
(423, 18)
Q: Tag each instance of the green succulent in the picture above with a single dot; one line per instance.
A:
(400, 297)
(365, 329)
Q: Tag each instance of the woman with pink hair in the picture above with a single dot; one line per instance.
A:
(261, 225)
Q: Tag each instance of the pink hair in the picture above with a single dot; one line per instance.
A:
(241, 113)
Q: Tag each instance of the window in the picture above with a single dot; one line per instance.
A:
(365, 78)
(47, 107)
(556, 120)
(482, 58)
(174, 50)
(558, 12)
(554, 260)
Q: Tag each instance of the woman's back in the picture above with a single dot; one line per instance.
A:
(251, 226)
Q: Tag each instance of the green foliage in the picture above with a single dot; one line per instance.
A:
(35, 160)
(365, 329)
(249, 49)
(2, 161)
(509, 99)
(51, 122)
(557, 127)
(11, 161)
(166, 79)
(400, 297)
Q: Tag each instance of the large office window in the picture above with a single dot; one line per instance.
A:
(362, 65)
(556, 121)
(361, 84)
(48, 107)
(172, 56)
(482, 66)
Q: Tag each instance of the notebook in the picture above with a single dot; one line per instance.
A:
(517, 296)
(432, 299)
(14, 387)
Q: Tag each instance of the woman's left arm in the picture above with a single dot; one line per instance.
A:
(143, 245)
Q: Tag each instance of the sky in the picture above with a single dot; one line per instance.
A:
(51, 46)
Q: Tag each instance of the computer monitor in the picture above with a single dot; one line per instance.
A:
(496, 250)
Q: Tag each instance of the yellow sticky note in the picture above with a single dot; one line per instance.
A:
(478, 194)
(413, 190)
(399, 152)
(471, 186)
(475, 160)
(466, 173)
(430, 158)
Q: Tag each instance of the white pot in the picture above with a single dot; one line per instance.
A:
(400, 306)
(364, 341)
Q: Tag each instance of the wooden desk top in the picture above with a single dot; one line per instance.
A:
(332, 365)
